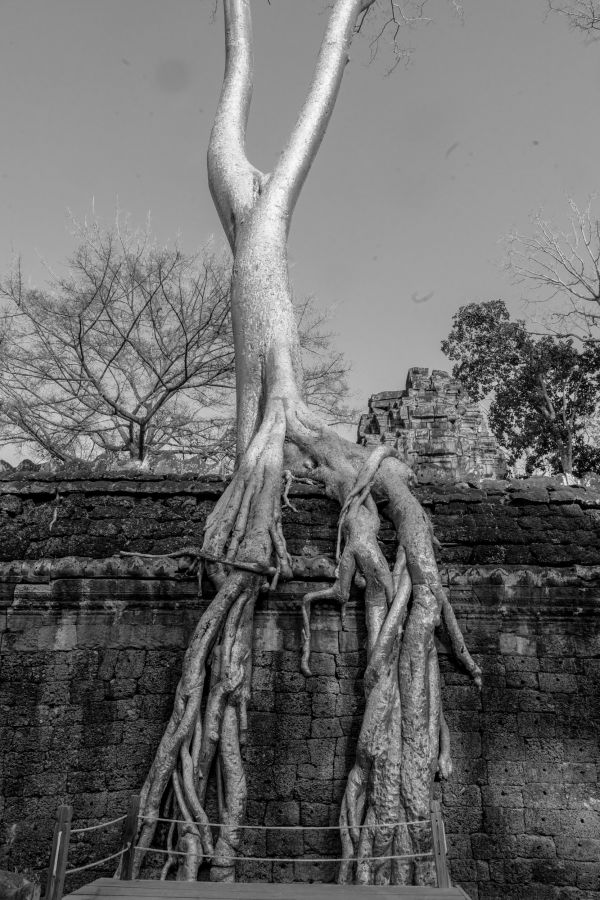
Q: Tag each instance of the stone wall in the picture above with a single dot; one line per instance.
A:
(92, 647)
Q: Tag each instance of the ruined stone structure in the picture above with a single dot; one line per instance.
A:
(92, 646)
(441, 434)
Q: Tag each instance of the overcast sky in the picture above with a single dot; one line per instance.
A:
(421, 174)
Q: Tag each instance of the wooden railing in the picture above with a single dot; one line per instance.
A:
(58, 870)
(63, 831)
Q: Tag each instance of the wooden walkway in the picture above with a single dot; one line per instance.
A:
(112, 889)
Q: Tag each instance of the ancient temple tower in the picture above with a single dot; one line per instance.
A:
(441, 433)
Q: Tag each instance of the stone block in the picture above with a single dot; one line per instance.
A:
(326, 728)
(577, 848)
(489, 847)
(544, 795)
(512, 645)
(315, 752)
(583, 822)
(536, 846)
(556, 682)
(543, 772)
(298, 704)
(504, 795)
(285, 843)
(588, 876)
(463, 819)
(282, 813)
(506, 772)
(543, 821)
(322, 664)
(324, 705)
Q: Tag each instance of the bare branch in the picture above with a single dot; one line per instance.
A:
(563, 266)
(581, 15)
(286, 182)
(232, 179)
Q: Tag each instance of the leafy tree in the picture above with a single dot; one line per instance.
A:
(544, 390)
(131, 354)
(404, 739)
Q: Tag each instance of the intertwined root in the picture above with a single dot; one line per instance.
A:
(403, 741)
(245, 526)
(404, 738)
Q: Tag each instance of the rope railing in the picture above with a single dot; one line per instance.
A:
(62, 833)
(97, 862)
(294, 859)
(58, 870)
(402, 824)
(99, 825)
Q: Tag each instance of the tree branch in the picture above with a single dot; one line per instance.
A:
(286, 182)
(231, 177)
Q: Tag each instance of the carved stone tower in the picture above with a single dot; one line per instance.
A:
(440, 433)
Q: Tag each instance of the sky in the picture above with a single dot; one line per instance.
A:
(108, 104)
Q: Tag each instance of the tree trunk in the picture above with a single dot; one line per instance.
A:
(403, 743)
(566, 453)
(267, 352)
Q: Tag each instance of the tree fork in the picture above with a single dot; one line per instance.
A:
(403, 740)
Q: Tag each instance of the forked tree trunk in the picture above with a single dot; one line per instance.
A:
(403, 741)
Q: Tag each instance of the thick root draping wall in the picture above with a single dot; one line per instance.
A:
(92, 646)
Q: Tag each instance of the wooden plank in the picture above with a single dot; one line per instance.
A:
(59, 853)
(130, 827)
(203, 890)
(439, 845)
(111, 886)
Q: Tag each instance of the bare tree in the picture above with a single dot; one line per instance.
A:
(564, 269)
(124, 354)
(325, 383)
(404, 738)
(582, 15)
(131, 353)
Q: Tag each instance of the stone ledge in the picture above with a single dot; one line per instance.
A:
(530, 490)
(134, 567)
(482, 591)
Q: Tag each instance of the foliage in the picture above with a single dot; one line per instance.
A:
(131, 353)
(544, 389)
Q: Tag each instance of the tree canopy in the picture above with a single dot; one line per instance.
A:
(543, 389)
(404, 739)
(130, 353)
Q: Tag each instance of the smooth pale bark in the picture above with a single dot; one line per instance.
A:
(403, 739)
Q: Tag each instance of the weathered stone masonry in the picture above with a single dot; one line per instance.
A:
(92, 645)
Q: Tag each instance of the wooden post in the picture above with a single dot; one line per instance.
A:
(60, 851)
(128, 836)
(439, 845)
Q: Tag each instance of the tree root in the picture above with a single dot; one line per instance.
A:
(404, 740)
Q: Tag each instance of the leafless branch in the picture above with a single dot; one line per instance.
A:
(131, 353)
(581, 15)
(563, 267)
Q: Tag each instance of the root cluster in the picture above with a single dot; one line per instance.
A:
(403, 742)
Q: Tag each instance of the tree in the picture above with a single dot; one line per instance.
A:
(404, 739)
(131, 353)
(582, 15)
(564, 268)
(544, 389)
